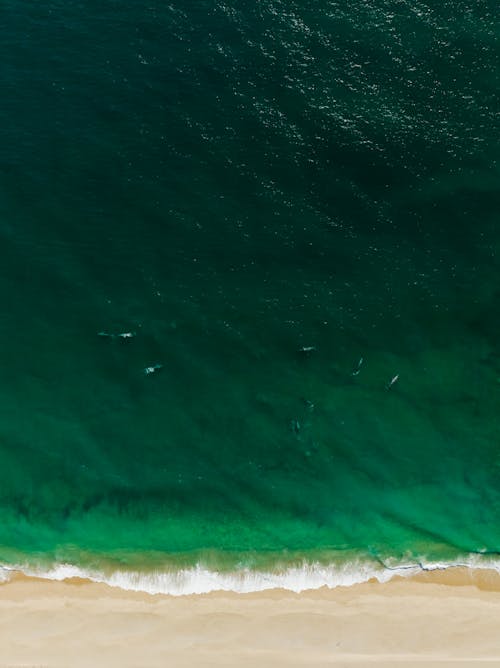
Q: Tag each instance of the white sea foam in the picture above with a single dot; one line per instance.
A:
(200, 580)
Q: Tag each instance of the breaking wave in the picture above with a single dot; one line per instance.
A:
(201, 580)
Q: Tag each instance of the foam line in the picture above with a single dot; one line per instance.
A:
(200, 580)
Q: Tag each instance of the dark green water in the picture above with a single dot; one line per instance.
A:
(233, 181)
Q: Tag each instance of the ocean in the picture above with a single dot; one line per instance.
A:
(250, 290)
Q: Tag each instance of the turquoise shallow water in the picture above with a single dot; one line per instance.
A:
(232, 182)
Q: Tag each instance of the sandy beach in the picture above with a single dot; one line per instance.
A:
(442, 618)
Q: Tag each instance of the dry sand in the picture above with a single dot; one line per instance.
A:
(440, 619)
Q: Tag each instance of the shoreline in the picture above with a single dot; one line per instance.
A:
(482, 579)
(310, 576)
(433, 618)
